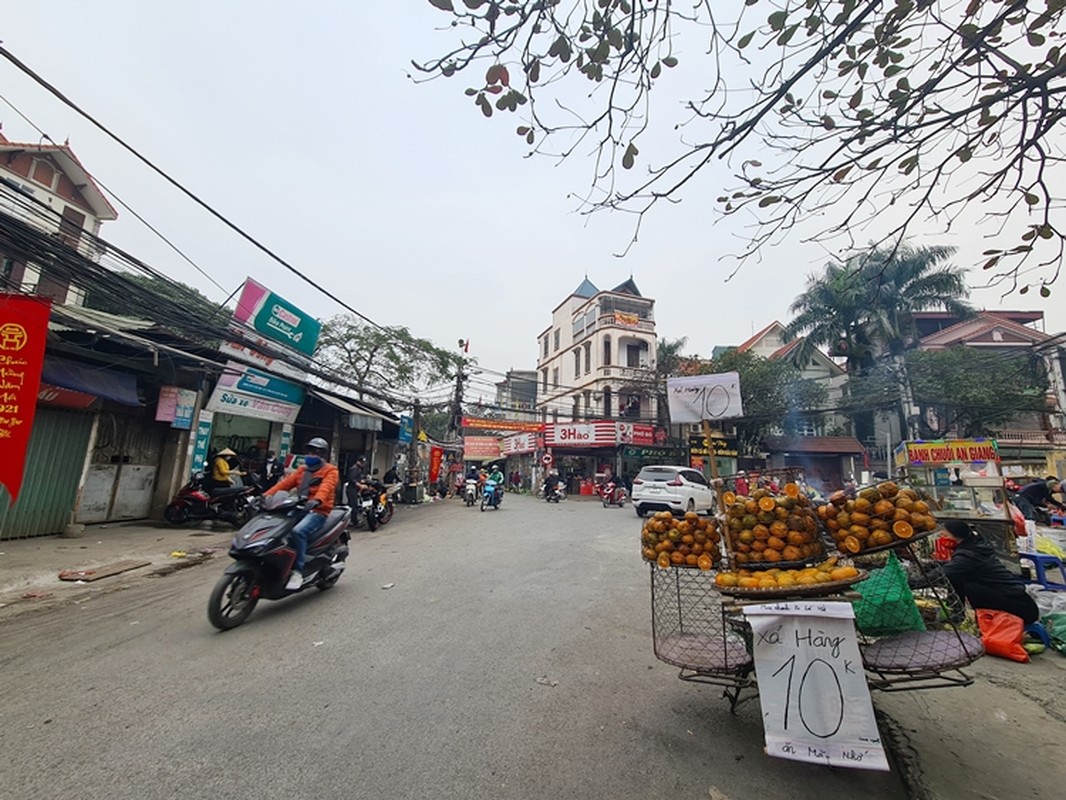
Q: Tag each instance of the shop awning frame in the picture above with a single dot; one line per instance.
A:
(359, 417)
(108, 384)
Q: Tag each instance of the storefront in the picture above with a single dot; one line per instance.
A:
(520, 450)
(826, 461)
(726, 453)
(584, 452)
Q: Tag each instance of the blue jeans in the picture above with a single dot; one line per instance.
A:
(305, 529)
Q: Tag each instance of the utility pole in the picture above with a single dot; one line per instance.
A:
(412, 448)
(455, 422)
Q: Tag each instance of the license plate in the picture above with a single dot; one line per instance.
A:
(654, 490)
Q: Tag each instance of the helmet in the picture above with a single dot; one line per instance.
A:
(318, 443)
(360, 460)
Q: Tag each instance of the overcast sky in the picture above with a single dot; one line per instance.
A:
(299, 123)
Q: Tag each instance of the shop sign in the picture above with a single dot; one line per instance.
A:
(23, 330)
(247, 392)
(286, 443)
(481, 447)
(49, 395)
(175, 406)
(407, 429)
(634, 433)
(723, 447)
(257, 359)
(253, 381)
(947, 451)
(704, 397)
(276, 318)
(227, 401)
(812, 687)
(486, 423)
(519, 443)
(664, 454)
(202, 440)
(578, 435)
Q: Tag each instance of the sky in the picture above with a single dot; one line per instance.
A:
(300, 124)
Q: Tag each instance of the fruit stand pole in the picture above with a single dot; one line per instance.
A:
(727, 534)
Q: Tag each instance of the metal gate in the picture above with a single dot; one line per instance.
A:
(54, 462)
(122, 472)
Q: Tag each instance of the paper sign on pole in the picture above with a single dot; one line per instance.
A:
(704, 397)
(815, 700)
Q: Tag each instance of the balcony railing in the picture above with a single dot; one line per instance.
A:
(1019, 438)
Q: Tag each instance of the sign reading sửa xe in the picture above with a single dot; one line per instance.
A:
(277, 319)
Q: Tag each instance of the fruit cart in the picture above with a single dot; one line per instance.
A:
(962, 479)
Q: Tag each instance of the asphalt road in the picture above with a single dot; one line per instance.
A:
(511, 658)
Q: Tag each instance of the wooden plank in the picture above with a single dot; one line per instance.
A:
(96, 573)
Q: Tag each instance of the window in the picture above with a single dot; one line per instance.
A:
(555, 378)
(608, 399)
(633, 355)
(70, 227)
(588, 403)
(555, 339)
(806, 427)
(588, 357)
(632, 407)
(544, 377)
(545, 346)
(607, 351)
(577, 362)
(575, 414)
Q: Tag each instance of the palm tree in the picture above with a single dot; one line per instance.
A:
(864, 309)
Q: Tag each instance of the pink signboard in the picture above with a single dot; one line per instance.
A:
(480, 447)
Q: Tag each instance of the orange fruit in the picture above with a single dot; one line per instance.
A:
(677, 558)
(904, 530)
(843, 573)
(748, 583)
(649, 553)
(692, 560)
(792, 490)
(729, 498)
(791, 553)
(663, 561)
(767, 504)
(775, 543)
(852, 545)
(704, 562)
(772, 556)
(724, 578)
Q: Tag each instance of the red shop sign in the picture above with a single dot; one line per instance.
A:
(23, 329)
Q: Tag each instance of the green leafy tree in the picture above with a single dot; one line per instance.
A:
(170, 304)
(980, 391)
(388, 360)
(834, 108)
(775, 396)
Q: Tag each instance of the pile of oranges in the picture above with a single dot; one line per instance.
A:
(774, 578)
(768, 529)
(689, 541)
(879, 515)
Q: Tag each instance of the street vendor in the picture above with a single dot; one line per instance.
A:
(1039, 495)
(977, 575)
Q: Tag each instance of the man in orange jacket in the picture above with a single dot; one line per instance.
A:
(319, 501)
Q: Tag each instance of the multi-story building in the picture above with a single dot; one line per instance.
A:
(46, 187)
(597, 358)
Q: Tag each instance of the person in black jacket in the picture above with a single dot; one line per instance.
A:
(978, 576)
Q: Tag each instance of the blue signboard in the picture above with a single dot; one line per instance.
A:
(407, 429)
(261, 384)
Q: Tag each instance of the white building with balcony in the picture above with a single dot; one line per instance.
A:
(597, 358)
(44, 185)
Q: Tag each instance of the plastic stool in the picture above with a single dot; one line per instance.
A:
(1058, 520)
(1042, 562)
(1038, 630)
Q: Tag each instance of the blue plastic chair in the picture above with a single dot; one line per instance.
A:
(1038, 630)
(1042, 562)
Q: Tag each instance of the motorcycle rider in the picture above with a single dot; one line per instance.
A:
(497, 476)
(272, 469)
(222, 473)
(318, 505)
(550, 482)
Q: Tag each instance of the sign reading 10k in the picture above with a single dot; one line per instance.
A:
(812, 688)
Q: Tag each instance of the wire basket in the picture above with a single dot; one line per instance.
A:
(689, 628)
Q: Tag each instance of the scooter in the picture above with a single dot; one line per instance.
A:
(555, 494)
(384, 507)
(263, 559)
(613, 494)
(489, 495)
(470, 491)
(194, 503)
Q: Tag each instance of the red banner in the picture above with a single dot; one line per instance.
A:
(436, 454)
(23, 329)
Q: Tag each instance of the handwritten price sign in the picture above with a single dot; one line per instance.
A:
(815, 701)
(704, 397)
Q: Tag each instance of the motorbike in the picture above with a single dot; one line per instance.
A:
(263, 559)
(555, 494)
(376, 504)
(489, 495)
(613, 494)
(470, 491)
(194, 503)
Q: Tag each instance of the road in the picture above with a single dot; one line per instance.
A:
(464, 654)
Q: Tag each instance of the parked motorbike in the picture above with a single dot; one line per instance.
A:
(377, 504)
(490, 496)
(613, 494)
(470, 491)
(195, 503)
(263, 559)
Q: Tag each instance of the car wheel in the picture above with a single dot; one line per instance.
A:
(639, 510)
(691, 506)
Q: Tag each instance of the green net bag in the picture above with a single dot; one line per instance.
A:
(887, 605)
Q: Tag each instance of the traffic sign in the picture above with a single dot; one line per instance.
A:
(547, 459)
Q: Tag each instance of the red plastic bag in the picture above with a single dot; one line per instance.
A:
(1002, 634)
(1018, 518)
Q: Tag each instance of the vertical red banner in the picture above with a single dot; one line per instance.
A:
(23, 330)
(436, 455)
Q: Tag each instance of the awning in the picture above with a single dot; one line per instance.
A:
(815, 445)
(109, 384)
(357, 417)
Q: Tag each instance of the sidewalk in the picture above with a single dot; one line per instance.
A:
(30, 568)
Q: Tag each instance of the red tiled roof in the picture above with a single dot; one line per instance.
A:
(746, 346)
(823, 445)
(108, 210)
(786, 349)
(981, 322)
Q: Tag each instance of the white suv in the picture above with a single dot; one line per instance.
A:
(677, 489)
